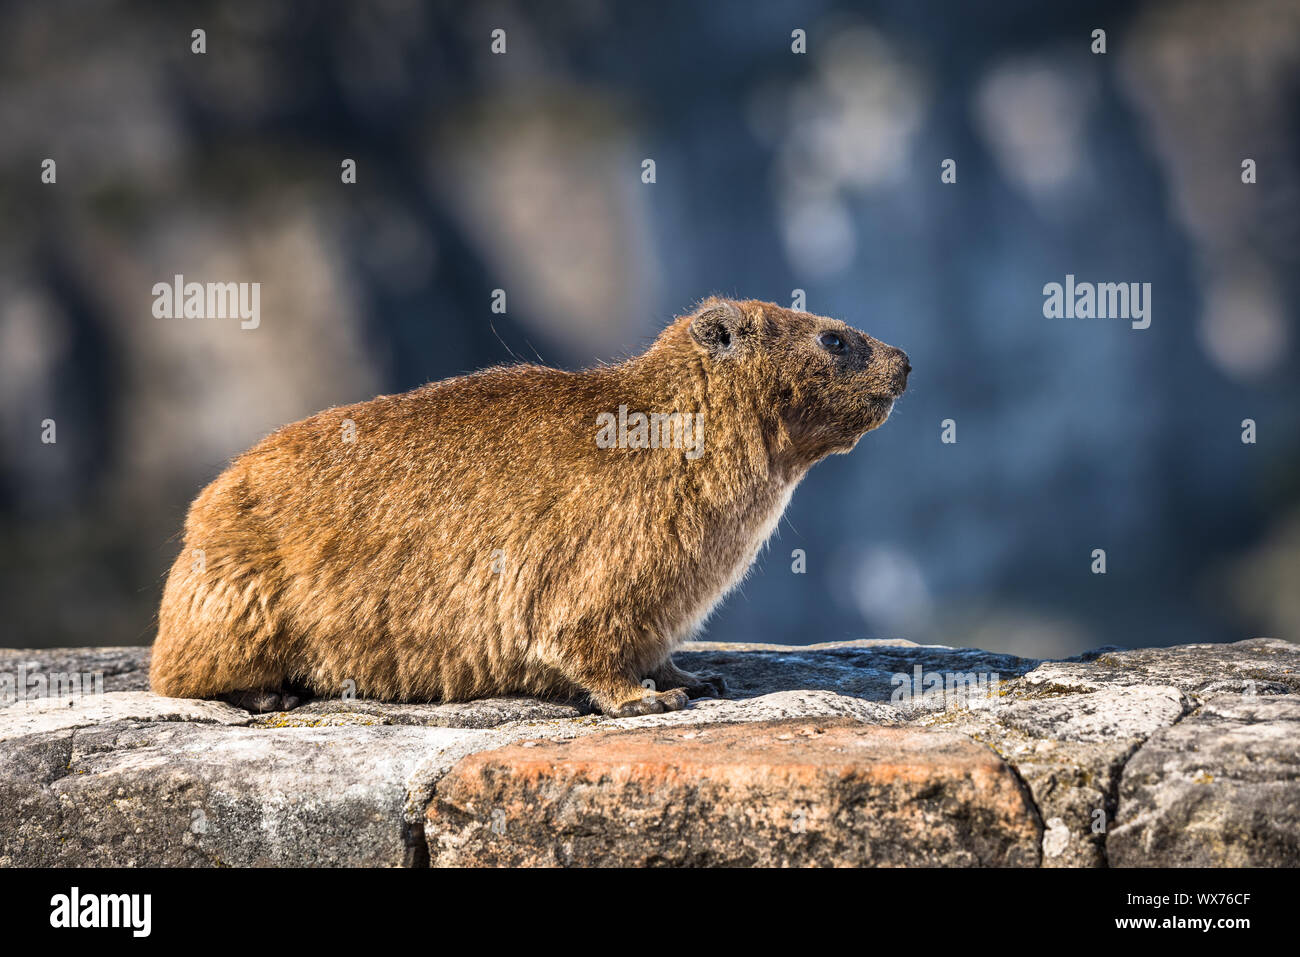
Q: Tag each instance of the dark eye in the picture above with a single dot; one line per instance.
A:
(831, 343)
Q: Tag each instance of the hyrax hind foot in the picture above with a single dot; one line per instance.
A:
(650, 702)
(706, 686)
(696, 686)
(260, 702)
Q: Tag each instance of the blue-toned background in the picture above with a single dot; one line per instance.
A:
(775, 172)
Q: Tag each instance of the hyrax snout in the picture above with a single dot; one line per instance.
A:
(521, 530)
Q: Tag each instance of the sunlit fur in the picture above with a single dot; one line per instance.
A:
(326, 562)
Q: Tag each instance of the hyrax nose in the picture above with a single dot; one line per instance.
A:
(898, 367)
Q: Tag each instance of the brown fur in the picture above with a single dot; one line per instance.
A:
(325, 561)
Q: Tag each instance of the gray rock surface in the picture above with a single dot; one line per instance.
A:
(44, 715)
(861, 669)
(176, 793)
(1259, 665)
(1220, 788)
(123, 669)
(1072, 728)
(1175, 755)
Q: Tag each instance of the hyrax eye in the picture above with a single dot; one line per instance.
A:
(831, 343)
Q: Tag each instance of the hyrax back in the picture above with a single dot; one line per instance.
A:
(520, 530)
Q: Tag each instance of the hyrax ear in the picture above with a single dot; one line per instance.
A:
(719, 328)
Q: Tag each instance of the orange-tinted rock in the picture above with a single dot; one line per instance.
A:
(830, 792)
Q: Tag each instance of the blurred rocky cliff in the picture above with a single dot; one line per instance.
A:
(775, 171)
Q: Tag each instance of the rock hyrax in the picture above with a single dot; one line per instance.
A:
(521, 530)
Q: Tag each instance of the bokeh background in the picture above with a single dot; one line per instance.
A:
(775, 171)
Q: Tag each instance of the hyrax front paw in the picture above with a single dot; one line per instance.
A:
(651, 702)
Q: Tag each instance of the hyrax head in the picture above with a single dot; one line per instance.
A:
(825, 382)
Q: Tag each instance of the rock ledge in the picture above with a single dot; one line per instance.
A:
(855, 753)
